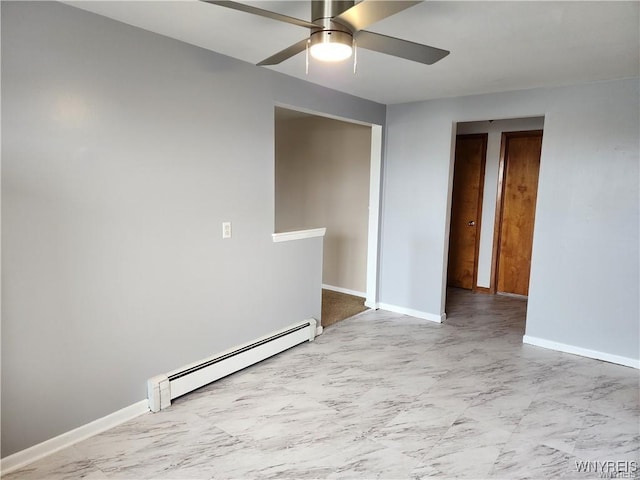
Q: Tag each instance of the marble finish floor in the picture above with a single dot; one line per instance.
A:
(384, 395)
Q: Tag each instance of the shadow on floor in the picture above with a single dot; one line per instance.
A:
(467, 309)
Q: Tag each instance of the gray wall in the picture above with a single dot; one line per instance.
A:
(322, 180)
(584, 279)
(122, 153)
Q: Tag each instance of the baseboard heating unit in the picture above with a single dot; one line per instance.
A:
(164, 388)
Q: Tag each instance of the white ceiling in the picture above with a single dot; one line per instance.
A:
(495, 46)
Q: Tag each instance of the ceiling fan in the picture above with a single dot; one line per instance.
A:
(337, 27)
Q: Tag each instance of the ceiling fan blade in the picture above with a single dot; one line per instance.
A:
(263, 13)
(288, 52)
(400, 48)
(367, 12)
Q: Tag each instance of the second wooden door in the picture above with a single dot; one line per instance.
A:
(520, 166)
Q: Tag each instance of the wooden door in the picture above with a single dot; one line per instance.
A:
(466, 209)
(520, 164)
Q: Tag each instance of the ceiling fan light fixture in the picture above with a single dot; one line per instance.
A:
(331, 45)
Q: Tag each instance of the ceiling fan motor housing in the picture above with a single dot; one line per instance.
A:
(330, 36)
(328, 31)
(327, 9)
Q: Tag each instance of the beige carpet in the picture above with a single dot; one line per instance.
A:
(338, 306)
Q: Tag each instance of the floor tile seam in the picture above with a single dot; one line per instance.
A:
(436, 443)
(518, 430)
(243, 440)
(611, 417)
(614, 416)
(521, 414)
(95, 467)
(504, 446)
(560, 449)
(513, 431)
(445, 432)
(139, 444)
(77, 451)
(617, 387)
(77, 458)
(395, 449)
(279, 416)
(533, 443)
(532, 399)
(566, 403)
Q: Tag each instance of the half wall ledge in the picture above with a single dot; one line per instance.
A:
(298, 235)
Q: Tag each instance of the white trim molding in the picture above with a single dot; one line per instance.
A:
(583, 352)
(55, 444)
(344, 290)
(375, 185)
(298, 235)
(432, 317)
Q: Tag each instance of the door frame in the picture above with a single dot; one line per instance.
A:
(497, 229)
(476, 253)
(375, 184)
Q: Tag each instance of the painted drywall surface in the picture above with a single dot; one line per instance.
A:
(414, 204)
(584, 278)
(123, 152)
(494, 130)
(322, 180)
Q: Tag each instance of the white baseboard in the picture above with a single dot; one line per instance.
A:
(432, 317)
(583, 352)
(319, 330)
(344, 290)
(41, 450)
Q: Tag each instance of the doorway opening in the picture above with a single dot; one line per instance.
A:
(327, 174)
(493, 200)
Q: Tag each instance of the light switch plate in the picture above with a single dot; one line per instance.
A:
(226, 229)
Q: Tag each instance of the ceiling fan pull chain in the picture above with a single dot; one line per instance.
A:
(355, 56)
(306, 71)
